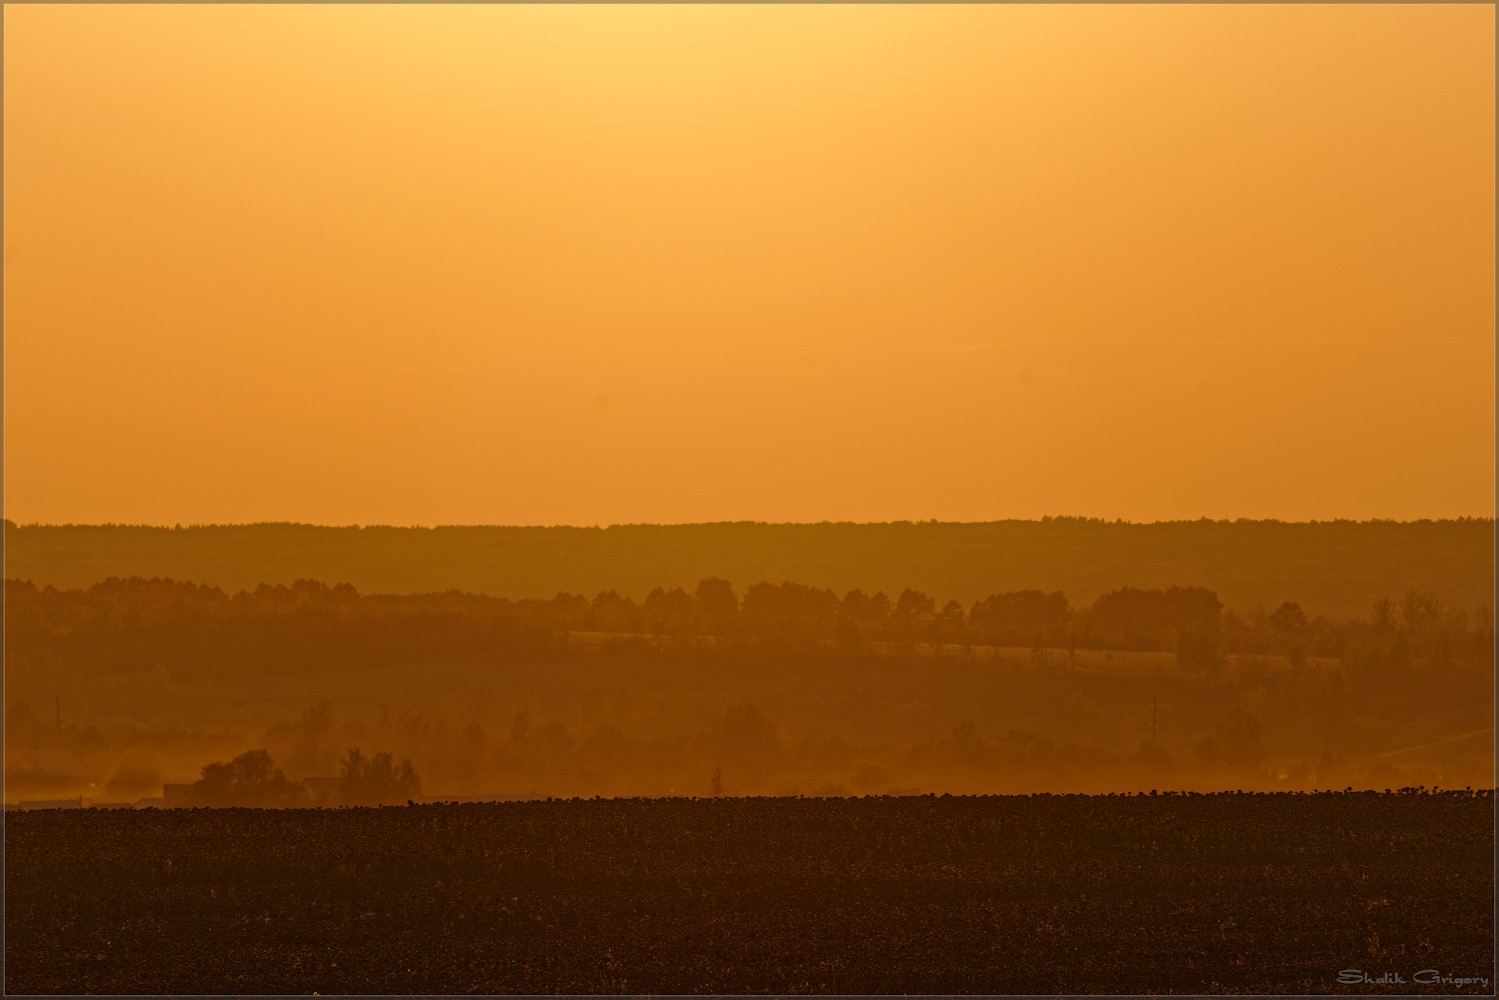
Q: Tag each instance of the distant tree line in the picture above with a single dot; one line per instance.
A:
(133, 624)
(1333, 567)
(253, 780)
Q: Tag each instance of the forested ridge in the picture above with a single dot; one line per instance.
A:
(1333, 568)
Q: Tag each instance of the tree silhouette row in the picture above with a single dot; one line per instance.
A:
(134, 624)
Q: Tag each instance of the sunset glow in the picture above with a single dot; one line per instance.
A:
(527, 265)
(748, 499)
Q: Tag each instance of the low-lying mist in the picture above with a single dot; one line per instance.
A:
(120, 689)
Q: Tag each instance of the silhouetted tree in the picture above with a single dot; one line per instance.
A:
(949, 625)
(914, 611)
(668, 611)
(612, 613)
(913, 604)
(1421, 610)
(789, 609)
(251, 779)
(1288, 619)
(1136, 618)
(376, 780)
(568, 612)
(1021, 617)
(855, 608)
(717, 605)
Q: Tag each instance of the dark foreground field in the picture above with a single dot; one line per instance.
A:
(1059, 894)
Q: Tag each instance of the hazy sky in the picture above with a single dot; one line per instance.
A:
(586, 264)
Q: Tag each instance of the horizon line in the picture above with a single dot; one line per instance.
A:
(10, 523)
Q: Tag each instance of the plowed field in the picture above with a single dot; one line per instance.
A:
(1044, 894)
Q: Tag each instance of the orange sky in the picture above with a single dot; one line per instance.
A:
(504, 264)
